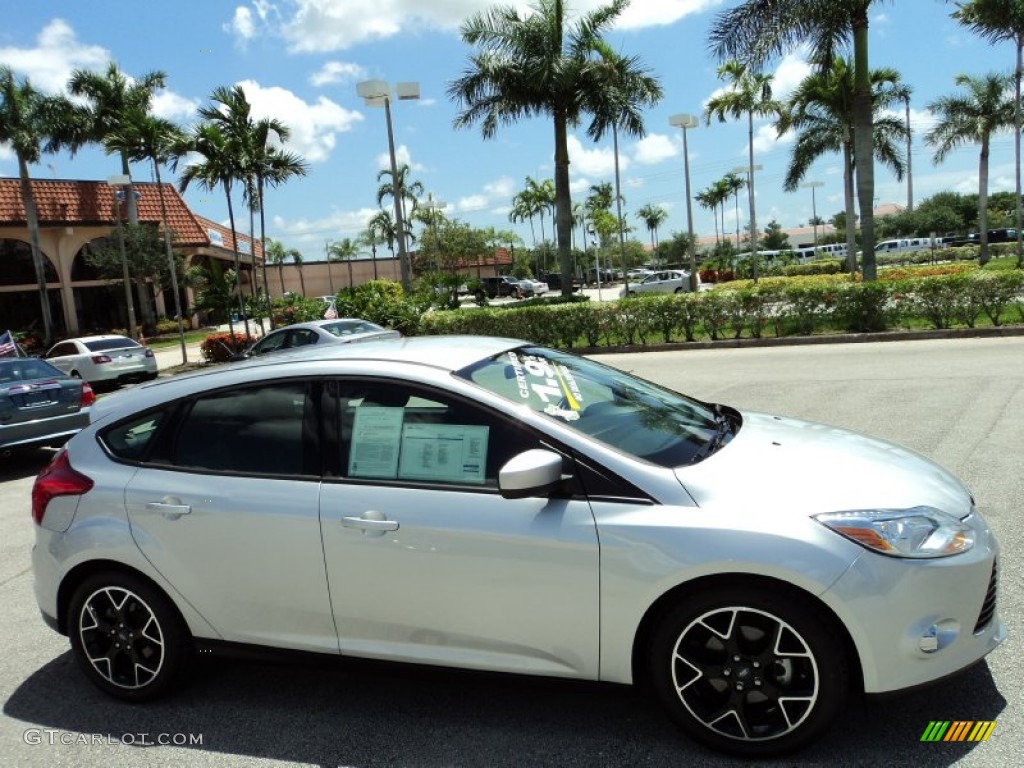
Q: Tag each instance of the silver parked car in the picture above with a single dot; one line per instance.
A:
(663, 281)
(488, 504)
(106, 359)
(39, 404)
(334, 331)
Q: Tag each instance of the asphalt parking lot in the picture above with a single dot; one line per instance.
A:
(960, 402)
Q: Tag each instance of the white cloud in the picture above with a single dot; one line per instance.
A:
(57, 53)
(767, 139)
(330, 25)
(792, 70)
(171, 106)
(337, 72)
(502, 188)
(313, 126)
(312, 231)
(472, 203)
(654, 149)
(402, 157)
(241, 24)
(598, 162)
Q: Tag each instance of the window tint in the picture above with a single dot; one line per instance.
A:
(348, 327)
(256, 430)
(390, 431)
(66, 348)
(301, 337)
(272, 342)
(25, 369)
(130, 439)
(102, 345)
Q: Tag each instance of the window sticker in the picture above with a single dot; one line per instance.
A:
(376, 436)
(444, 452)
(552, 384)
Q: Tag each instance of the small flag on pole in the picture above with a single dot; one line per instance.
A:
(7, 347)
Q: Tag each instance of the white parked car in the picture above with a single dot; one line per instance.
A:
(106, 359)
(490, 504)
(664, 281)
(531, 287)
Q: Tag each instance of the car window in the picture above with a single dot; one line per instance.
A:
(130, 439)
(102, 345)
(348, 327)
(396, 432)
(262, 430)
(626, 413)
(269, 343)
(63, 349)
(301, 337)
(27, 369)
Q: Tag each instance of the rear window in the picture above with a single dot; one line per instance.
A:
(27, 369)
(348, 327)
(102, 345)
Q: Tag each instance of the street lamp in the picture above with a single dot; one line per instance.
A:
(813, 185)
(118, 182)
(377, 93)
(435, 207)
(749, 171)
(686, 121)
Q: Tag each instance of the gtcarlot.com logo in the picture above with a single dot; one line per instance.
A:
(958, 730)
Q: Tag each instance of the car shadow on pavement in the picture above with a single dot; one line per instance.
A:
(371, 713)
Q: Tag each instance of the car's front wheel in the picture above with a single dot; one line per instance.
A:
(749, 671)
(127, 636)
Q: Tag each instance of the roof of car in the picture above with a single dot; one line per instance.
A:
(446, 352)
(322, 323)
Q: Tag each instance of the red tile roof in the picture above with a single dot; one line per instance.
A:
(62, 202)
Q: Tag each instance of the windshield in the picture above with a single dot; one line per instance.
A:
(629, 414)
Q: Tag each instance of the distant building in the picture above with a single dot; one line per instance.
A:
(73, 214)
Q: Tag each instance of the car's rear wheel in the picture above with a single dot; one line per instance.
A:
(679, 290)
(748, 671)
(127, 636)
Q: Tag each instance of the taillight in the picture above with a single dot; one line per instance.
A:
(88, 396)
(58, 478)
(101, 359)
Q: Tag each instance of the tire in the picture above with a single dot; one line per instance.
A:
(749, 672)
(127, 637)
(75, 375)
(679, 290)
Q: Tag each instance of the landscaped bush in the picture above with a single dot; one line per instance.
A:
(166, 326)
(824, 267)
(865, 307)
(296, 309)
(220, 347)
(385, 303)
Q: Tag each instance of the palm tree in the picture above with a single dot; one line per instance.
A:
(371, 239)
(270, 165)
(538, 63)
(275, 253)
(541, 199)
(522, 210)
(296, 256)
(344, 250)
(382, 225)
(219, 166)
(141, 136)
(411, 191)
(997, 20)
(730, 185)
(111, 98)
(708, 200)
(653, 216)
(973, 117)
(820, 111)
(33, 124)
(749, 93)
(756, 30)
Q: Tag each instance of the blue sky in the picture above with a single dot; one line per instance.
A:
(300, 60)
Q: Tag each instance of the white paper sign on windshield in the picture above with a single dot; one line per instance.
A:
(376, 436)
(444, 453)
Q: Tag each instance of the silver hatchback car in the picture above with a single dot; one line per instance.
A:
(489, 504)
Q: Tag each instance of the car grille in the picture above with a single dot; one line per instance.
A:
(988, 608)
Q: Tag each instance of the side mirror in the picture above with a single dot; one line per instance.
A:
(536, 472)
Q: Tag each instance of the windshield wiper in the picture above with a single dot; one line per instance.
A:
(723, 429)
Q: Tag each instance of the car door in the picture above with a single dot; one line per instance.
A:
(225, 506)
(427, 562)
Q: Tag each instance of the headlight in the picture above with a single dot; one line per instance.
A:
(916, 532)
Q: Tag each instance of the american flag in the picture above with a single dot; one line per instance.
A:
(7, 348)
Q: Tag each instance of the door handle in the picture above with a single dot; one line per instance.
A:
(371, 520)
(170, 507)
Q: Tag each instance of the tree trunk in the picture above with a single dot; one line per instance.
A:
(851, 215)
(750, 192)
(131, 206)
(983, 200)
(863, 139)
(1016, 147)
(32, 217)
(238, 264)
(280, 274)
(170, 262)
(563, 200)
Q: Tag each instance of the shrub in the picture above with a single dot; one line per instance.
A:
(997, 290)
(714, 310)
(823, 267)
(166, 326)
(935, 299)
(865, 307)
(220, 347)
(809, 304)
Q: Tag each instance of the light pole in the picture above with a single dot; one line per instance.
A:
(376, 93)
(814, 209)
(435, 207)
(118, 182)
(749, 171)
(686, 121)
